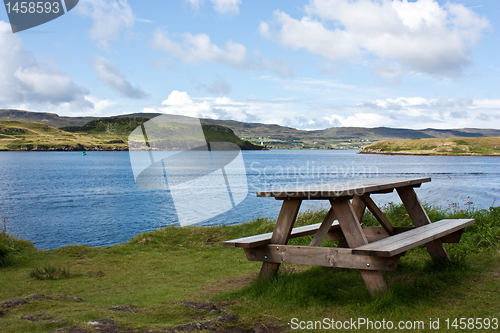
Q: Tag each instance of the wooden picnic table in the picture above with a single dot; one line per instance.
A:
(369, 249)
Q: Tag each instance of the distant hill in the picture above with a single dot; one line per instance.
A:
(20, 135)
(99, 134)
(50, 119)
(273, 136)
(441, 146)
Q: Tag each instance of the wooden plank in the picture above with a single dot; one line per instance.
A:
(381, 218)
(355, 237)
(374, 234)
(358, 206)
(337, 190)
(402, 242)
(420, 218)
(319, 256)
(323, 229)
(281, 233)
(263, 239)
(349, 223)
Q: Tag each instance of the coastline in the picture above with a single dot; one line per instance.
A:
(422, 154)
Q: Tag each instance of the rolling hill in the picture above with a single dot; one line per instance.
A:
(99, 134)
(273, 136)
(448, 146)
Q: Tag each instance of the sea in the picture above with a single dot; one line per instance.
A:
(56, 199)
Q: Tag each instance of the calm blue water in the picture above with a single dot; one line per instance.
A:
(55, 199)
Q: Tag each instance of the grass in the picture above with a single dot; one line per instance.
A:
(49, 273)
(451, 146)
(156, 273)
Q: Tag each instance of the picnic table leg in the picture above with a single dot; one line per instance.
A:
(359, 207)
(355, 237)
(419, 217)
(319, 236)
(282, 229)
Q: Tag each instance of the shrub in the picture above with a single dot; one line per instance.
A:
(50, 273)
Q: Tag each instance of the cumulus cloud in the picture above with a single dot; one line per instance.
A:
(195, 49)
(401, 112)
(231, 7)
(180, 103)
(27, 83)
(110, 73)
(109, 18)
(421, 36)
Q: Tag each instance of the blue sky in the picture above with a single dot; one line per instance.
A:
(306, 64)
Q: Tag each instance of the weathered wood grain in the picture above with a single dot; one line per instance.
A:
(344, 189)
(410, 239)
(319, 256)
(355, 237)
(282, 229)
(420, 218)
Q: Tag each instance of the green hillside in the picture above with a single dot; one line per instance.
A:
(448, 146)
(50, 119)
(99, 134)
(272, 136)
(19, 135)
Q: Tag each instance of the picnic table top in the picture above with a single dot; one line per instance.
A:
(344, 189)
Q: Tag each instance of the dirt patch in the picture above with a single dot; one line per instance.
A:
(227, 323)
(212, 239)
(108, 326)
(211, 325)
(125, 308)
(34, 297)
(70, 329)
(12, 303)
(208, 306)
(66, 297)
(44, 317)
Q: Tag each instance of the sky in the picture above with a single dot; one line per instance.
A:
(305, 64)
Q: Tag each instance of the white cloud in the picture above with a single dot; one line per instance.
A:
(401, 112)
(110, 73)
(231, 7)
(197, 48)
(422, 36)
(180, 103)
(109, 18)
(26, 83)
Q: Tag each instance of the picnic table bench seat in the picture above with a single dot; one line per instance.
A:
(393, 245)
(373, 234)
(264, 239)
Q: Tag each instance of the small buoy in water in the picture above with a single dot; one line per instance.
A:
(84, 153)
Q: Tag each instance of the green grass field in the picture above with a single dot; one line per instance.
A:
(450, 146)
(176, 276)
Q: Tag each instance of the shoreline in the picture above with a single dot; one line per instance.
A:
(422, 154)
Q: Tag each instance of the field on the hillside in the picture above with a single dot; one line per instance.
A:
(449, 146)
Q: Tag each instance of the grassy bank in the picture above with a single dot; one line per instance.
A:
(177, 276)
(449, 146)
